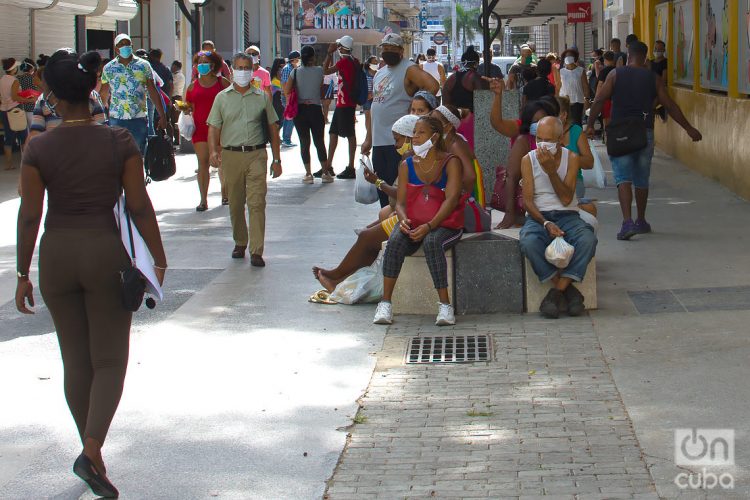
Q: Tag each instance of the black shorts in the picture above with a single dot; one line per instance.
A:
(342, 123)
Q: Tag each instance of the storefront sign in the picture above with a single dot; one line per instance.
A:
(331, 15)
(308, 39)
(439, 37)
(579, 12)
(336, 22)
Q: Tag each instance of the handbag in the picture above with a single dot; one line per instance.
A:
(423, 201)
(292, 100)
(476, 218)
(626, 136)
(499, 201)
(132, 280)
(17, 120)
(159, 161)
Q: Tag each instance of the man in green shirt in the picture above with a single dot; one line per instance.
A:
(241, 122)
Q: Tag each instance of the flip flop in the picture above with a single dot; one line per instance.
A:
(321, 297)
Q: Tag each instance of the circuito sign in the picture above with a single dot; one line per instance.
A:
(579, 12)
(308, 39)
(438, 38)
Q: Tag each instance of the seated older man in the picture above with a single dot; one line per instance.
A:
(549, 188)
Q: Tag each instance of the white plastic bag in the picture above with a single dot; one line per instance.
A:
(364, 192)
(595, 177)
(186, 125)
(364, 286)
(559, 252)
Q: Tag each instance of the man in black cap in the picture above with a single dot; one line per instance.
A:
(288, 125)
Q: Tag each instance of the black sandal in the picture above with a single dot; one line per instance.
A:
(84, 468)
(202, 207)
(225, 201)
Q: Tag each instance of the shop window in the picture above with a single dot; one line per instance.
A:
(744, 56)
(683, 42)
(140, 27)
(714, 44)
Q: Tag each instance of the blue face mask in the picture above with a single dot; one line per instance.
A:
(204, 68)
(533, 127)
(125, 51)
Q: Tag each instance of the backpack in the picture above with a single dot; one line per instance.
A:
(359, 90)
(159, 159)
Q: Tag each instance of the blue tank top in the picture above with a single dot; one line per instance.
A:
(415, 180)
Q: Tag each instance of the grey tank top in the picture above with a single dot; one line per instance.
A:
(308, 82)
(389, 101)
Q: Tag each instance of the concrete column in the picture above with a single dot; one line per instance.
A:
(163, 28)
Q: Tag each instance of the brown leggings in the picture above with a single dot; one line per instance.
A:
(79, 281)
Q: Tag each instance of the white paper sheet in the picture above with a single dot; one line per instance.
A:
(144, 260)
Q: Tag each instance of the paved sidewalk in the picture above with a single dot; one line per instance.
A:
(543, 418)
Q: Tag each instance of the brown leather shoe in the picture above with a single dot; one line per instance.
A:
(238, 252)
(257, 261)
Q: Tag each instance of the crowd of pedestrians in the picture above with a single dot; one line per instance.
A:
(96, 116)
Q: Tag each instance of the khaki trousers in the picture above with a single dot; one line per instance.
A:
(245, 182)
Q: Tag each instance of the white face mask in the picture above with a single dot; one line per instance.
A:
(374, 67)
(570, 60)
(242, 77)
(421, 150)
(550, 147)
(658, 54)
(256, 59)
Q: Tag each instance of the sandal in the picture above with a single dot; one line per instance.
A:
(201, 207)
(225, 201)
(321, 297)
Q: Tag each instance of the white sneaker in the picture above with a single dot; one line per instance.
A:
(445, 315)
(308, 179)
(327, 178)
(383, 314)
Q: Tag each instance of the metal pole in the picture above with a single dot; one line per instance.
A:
(454, 33)
(196, 30)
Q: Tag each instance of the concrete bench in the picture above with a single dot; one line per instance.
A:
(534, 291)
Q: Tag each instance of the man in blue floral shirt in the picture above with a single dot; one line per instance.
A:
(126, 82)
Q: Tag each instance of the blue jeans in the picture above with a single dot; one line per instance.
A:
(286, 131)
(535, 239)
(137, 127)
(150, 112)
(635, 168)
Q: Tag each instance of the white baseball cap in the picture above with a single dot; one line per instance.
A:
(405, 125)
(346, 41)
(122, 36)
(392, 39)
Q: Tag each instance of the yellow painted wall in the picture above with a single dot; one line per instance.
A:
(724, 152)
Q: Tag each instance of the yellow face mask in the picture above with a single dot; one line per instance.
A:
(403, 149)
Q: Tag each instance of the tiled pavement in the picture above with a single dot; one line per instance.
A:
(543, 418)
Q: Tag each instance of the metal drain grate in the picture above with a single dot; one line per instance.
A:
(449, 349)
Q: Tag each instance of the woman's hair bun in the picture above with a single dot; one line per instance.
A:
(90, 61)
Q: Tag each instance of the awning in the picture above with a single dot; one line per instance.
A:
(366, 36)
(120, 10)
(29, 4)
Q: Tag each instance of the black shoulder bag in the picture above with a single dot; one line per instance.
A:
(132, 280)
(626, 135)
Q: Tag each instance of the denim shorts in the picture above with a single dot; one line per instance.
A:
(634, 168)
(138, 128)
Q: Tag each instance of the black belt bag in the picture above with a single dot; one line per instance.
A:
(626, 136)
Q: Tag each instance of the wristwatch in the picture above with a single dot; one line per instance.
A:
(276, 161)
(22, 275)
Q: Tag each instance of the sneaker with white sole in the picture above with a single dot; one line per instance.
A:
(445, 316)
(383, 314)
(308, 179)
(327, 178)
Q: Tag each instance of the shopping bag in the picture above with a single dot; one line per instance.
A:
(186, 124)
(364, 192)
(595, 177)
(559, 252)
(364, 286)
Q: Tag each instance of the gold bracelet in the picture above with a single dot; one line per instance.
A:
(160, 267)
(379, 183)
